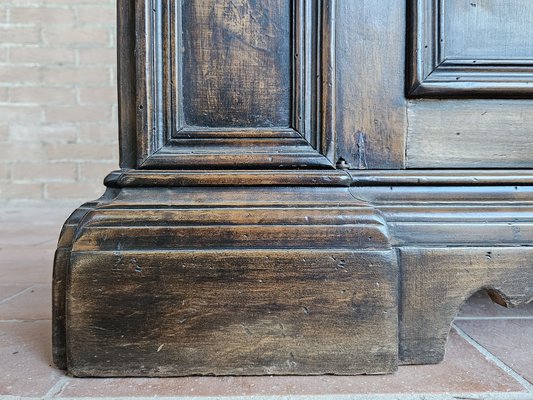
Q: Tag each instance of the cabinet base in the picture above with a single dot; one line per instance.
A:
(197, 281)
(237, 279)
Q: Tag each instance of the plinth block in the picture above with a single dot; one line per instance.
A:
(227, 281)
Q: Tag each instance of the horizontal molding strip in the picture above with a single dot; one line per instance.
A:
(338, 178)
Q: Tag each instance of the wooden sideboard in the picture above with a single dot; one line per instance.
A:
(306, 187)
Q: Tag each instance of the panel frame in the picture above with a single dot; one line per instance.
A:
(431, 74)
(310, 143)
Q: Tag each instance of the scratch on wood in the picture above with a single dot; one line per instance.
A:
(360, 156)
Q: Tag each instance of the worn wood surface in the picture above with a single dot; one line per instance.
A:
(466, 22)
(228, 178)
(217, 85)
(469, 49)
(228, 281)
(459, 215)
(470, 134)
(454, 241)
(191, 254)
(371, 112)
(437, 281)
(59, 284)
(232, 313)
(127, 76)
(264, 223)
(236, 63)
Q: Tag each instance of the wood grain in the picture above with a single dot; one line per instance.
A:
(227, 281)
(232, 313)
(371, 112)
(470, 134)
(469, 49)
(437, 281)
(237, 63)
(465, 29)
(241, 237)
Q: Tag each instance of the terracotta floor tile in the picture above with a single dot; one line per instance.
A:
(509, 340)
(36, 212)
(26, 265)
(464, 370)
(35, 303)
(480, 305)
(25, 359)
(29, 235)
(31, 226)
(7, 291)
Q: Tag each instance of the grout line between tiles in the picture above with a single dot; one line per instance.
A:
(419, 396)
(492, 318)
(57, 388)
(16, 294)
(491, 357)
(24, 320)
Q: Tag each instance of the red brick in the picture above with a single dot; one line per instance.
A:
(35, 133)
(42, 95)
(77, 36)
(44, 172)
(82, 191)
(42, 55)
(42, 16)
(79, 152)
(24, 359)
(77, 114)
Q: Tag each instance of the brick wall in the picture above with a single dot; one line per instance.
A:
(58, 116)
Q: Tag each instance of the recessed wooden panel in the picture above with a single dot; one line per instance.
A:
(234, 84)
(493, 29)
(236, 63)
(478, 48)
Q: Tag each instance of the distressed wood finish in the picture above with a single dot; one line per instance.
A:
(454, 241)
(228, 281)
(460, 50)
(237, 313)
(437, 281)
(198, 99)
(470, 134)
(479, 48)
(283, 207)
(371, 117)
(236, 63)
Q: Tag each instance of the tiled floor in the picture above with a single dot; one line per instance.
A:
(489, 353)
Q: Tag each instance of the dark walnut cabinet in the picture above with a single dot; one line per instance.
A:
(306, 187)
